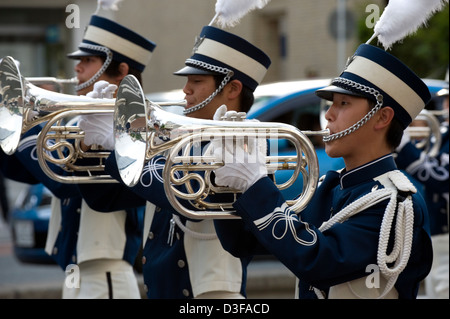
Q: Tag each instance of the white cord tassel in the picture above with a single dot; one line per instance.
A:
(190, 232)
(402, 242)
(401, 18)
(229, 12)
(403, 232)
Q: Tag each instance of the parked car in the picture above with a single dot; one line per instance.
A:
(291, 102)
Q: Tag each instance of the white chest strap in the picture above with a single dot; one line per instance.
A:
(393, 181)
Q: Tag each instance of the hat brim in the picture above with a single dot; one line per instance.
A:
(327, 92)
(189, 70)
(80, 54)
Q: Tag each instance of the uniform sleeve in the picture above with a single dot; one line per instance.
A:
(237, 240)
(29, 164)
(13, 169)
(150, 186)
(339, 254)
(432, 172)
(110, 197)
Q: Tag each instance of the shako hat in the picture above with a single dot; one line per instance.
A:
(125, 45)
(379, 76)
(217, 52)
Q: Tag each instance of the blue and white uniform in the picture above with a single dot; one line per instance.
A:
(181, 258)
(330, 245)
(23, 166)
(76, 233)
(432, 173)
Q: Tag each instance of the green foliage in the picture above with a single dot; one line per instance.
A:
(425, 52)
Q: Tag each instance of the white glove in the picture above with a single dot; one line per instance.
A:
(406, 138)
(102, 90)
(98, 129)
(222, 114)
(243, 167)
(244, 159)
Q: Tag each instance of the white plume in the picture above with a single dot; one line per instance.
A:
(401, 18)
(229, 12)
(107, 5)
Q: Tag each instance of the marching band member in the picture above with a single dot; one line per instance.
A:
(108, 244)
(432, 173)
(365, 233)
(103, 246)
(183, 258)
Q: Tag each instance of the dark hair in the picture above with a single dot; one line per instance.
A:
(113, 70)
(246, 98)
(395, 131)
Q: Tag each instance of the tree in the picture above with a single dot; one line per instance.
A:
(425, 52)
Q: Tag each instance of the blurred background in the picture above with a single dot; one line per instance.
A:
(304, 38)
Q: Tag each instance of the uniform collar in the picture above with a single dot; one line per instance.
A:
(367, 171)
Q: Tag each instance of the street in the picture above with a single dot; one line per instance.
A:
(20, 280)
(266, 278)
(16, 277)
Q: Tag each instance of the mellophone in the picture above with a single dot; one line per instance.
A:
(143, 130)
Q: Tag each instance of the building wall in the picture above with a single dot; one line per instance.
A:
(309, 49)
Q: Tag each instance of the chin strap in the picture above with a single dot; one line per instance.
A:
(105, 65)
(228, 75)
(357, 125)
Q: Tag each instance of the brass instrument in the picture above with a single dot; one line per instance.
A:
(24, 106)
(429, 137)
(53, 81)
(143, 130)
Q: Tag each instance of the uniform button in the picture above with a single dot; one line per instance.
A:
(151, 235)
(74, 259)
(145, 288)
(55, 250)
(181, 263)
(78, 210)
(144, 260)
(157, 209)
(185, 292)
